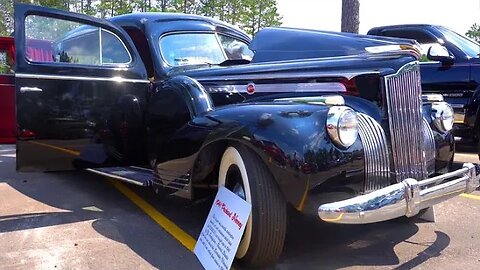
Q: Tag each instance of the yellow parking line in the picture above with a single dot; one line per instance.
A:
(68, 151)
(184, 238)
(470, 196)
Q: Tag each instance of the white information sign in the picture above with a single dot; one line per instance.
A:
(220, 237)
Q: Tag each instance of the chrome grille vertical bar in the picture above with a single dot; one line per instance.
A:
(404, 106)
(377, 161)
(430, 150)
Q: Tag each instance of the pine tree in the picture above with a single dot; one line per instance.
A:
(259, 14)
(474, 32)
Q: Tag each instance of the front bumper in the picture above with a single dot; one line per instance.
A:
(406, 198)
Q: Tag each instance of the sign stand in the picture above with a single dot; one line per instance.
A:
(220, 237)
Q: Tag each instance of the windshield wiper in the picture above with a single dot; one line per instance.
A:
(233, 62)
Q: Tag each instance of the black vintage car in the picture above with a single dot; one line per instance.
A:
(450, 66)
(184, 103)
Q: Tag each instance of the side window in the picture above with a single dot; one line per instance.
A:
(419, 36)
(6, 64)
(235, 49)
(425, 40)
(56, 40)
(113, 50)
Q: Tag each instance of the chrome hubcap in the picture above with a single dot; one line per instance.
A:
(239, 191)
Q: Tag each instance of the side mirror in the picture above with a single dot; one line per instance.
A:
(439, 53)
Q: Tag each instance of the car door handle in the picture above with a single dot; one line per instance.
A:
(30, 89)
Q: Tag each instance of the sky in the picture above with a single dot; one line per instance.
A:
(457, 15)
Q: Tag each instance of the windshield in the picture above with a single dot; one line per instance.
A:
(470, 47)
(202, 48)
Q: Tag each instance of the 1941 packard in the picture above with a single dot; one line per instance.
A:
(181, 102)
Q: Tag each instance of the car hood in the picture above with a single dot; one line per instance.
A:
(279, 43)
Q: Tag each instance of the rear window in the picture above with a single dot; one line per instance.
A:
(202, 48)
(191, 49)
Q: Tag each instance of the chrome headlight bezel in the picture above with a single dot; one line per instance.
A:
(342, 126)
(442, 116)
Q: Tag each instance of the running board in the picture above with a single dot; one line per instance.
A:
(144, 177)
(133, 175)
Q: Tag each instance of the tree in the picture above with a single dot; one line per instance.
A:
(251, 15)
(184, 6)
(474, 32)
(350, 16)
(259, 14)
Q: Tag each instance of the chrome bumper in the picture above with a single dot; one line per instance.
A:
(406, 198)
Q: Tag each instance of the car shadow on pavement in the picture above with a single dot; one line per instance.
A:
(40, 200)
(467, 146)
(442, 241)
(310, 244)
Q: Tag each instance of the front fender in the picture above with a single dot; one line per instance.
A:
(292, 141)
(444, 142)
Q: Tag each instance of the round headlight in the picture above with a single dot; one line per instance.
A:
(342, 126)
(442, 116)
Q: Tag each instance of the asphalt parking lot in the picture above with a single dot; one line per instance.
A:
(77, 220)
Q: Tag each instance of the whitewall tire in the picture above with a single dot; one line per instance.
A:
(244, 173)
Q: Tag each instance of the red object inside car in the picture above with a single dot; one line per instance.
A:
(38, 50)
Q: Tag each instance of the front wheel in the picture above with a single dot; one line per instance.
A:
(246, 175)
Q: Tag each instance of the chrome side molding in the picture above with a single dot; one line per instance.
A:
(432, 98)
(30, 89)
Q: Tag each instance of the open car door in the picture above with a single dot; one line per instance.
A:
(72, 71)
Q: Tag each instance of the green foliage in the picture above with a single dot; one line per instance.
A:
(5, 65)
(6, 17)
(251, 15)
(260, 14)
(38, 27)
(474, 32)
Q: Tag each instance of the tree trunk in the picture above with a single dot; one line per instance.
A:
(164, 5)
(350, 16)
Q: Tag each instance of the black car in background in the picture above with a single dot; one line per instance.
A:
(450, 66)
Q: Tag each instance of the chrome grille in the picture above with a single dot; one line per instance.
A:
(377, 162)
(404, 101)
(429, 143)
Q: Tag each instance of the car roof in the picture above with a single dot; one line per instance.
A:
(162, 16)
(174, 22)
(405, 25)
